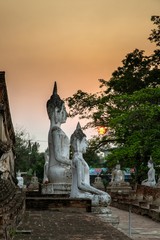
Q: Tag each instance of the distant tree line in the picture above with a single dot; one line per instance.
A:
(28, 158)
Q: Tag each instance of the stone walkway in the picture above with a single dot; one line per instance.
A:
(142, 227)
(67, 225)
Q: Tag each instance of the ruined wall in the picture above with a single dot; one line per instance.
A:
(143, 200)
(7, 136)
(12, 199)
(12, 207)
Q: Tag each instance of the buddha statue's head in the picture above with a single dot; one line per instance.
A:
(78, 140)
(56, 107)
(150, 163)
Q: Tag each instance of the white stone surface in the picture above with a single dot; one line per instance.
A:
(20, 179)
(59, 165)
(45, 174)
(117, 175)
(81, 187)
(53, 188)
(150, 181)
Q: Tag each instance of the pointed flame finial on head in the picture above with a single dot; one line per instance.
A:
(150, 160)
(78, 126)
(78, 133)
(55, 88)
(54, 102)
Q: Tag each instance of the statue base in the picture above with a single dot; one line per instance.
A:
(119, 187)
(105, 214)
(102, 210)
(56, 188)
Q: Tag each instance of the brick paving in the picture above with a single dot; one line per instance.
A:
(66, 225)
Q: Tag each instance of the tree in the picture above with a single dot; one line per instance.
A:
(136, 129)
(28, 158)
(91, 156)
(129, 107)
(155, 33)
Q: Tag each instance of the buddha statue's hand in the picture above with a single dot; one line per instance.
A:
(68, 162)
(105, 200)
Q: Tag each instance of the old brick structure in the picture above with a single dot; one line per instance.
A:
(12, 199)
(144, 200)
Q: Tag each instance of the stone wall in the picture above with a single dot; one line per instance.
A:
(12, 200)
(150, 194)
(143, 200)
(12, 207)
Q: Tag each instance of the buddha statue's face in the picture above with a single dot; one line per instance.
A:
(62, 114)
(79, 145)
(84, 145)
(59, 115)
(118, 167)
(150, 164)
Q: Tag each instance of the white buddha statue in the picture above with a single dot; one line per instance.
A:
(59, 167)
(20, 180)
(150, 181)
(81, 187)
(98, 179)
(34, 184)
(117, 175)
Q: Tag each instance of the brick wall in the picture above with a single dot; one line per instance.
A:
(143, 200)
(12, 207)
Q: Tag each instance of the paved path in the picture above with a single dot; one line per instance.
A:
(142, 227)
(54, 225)
(67, 225)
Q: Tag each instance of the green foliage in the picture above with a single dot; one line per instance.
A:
(129, 106)
(28, 159)
(135, 120)
(91, 156)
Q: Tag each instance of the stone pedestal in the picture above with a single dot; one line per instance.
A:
(56, 188)
(105, 213)
(119, 188)
(102, 210)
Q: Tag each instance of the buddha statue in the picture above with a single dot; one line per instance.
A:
(59, 167)
(117, 175)
(118, 183)
(98, 183)
(34, 184)
(150, 181)
(98, 179)
(81, 187)
(20, 180)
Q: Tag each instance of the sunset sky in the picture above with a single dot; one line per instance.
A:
(73, 42)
